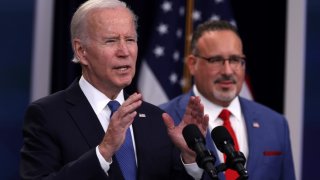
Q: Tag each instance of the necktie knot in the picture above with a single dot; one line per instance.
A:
(113, 105)
(225, 115)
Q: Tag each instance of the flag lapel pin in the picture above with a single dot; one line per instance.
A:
(142, 115)
(255, 124)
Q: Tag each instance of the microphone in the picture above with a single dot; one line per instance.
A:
(196, 142)
(235, 159)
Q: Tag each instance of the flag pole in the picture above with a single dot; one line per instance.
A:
(188, 33)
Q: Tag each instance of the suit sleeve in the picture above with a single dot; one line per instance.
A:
(41, 156)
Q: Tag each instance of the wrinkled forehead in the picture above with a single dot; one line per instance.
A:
(107, 21)
(111, 15)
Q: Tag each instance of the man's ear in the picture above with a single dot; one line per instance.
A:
(191, 61)
(79, 51)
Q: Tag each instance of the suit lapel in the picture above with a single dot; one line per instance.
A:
(254, 135)
(181, 108)
(83, 115)
(140, 128)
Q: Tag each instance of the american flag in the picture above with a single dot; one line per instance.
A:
(161, 77)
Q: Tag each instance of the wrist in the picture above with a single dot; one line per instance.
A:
(188, 158)
(106, 154)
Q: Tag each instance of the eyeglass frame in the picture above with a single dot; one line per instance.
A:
(219, 60)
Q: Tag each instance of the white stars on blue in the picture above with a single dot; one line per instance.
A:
(173, 78)
(176, 56)
(158, 51)
(196, 15)
(166, 6)
(163, 29)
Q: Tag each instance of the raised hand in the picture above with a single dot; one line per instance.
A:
(194, 115)
(119, 123)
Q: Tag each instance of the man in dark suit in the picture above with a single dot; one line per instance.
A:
(80, 132)
(217, 64)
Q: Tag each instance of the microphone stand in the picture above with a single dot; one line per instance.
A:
(208, 167)
(232, 163)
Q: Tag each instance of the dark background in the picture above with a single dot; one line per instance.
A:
(262, 26)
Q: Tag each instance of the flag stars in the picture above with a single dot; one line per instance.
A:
(214, 17)
(179, 33)
(158, 51)
(173, 78)
(233, 22)
(196, 15)
(181, 11)
(162, 29)
(166, 6)
(176, 56)
(218, 1)
(183, 82)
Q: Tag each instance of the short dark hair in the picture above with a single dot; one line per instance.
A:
(211, 26)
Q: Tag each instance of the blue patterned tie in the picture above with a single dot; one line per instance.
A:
(125, 155)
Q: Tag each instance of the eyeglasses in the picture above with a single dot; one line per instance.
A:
(235, 62)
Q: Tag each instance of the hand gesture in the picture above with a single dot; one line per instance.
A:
(119, 123)
(194, 115)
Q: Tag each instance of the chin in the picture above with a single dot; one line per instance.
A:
(126, 83)
(225, 96)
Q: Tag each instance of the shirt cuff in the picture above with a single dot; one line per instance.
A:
(193, 170)
(105, 165)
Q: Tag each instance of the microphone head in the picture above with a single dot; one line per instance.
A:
(192, 135)
(221, 136)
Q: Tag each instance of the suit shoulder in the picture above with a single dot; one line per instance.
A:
(261, 109)
(150, 107)
(174, 103)
(51, 99)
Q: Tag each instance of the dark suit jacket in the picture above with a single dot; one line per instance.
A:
(270, 155)
(61, 132)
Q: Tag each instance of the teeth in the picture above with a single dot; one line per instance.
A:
(123, 68)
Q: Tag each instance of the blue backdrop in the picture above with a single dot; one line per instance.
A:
(16, 17)
(311, 157)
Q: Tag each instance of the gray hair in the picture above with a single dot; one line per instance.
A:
(78, 22)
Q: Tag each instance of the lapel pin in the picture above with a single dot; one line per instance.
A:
(256, 125)
(142, 115)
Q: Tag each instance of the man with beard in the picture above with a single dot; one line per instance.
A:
(217, 64)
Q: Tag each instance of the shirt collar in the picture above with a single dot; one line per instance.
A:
(96, 98)
(215, 109)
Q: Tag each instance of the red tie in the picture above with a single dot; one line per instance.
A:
(225, 115)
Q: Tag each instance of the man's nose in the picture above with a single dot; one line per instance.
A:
(123, 47)
(226, 67)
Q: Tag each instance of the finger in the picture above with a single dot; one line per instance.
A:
(131, 116)
(168, 121)
(131, 104)
(200, 114)
(205, 122)
(189, 113)
(127, 109)
(132, 98)
(197, 112)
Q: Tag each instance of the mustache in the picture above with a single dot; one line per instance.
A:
(226, 78)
